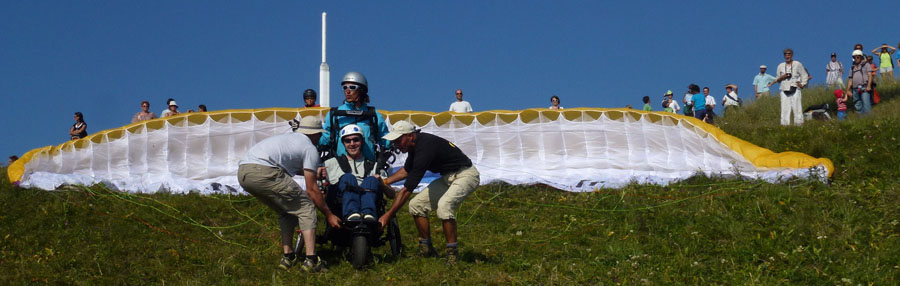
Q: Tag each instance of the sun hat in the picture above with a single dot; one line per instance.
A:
(762, 66)
(173, 103)
(856, 53)
(310, 125)
(398, 129)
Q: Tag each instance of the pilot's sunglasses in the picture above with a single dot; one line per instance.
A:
(350, 87)
(349, 140)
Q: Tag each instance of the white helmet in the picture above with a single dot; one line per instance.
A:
(350, 129)
(355, 77)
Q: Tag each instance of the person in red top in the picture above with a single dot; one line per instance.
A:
(841, 100)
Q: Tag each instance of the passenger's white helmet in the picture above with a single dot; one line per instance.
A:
(350, 129)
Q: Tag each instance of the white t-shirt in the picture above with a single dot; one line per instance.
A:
(674, 105)
(461, 107)
(558, 107)
(292, 152)
(728, 101)
(688, 98)
(711, 101)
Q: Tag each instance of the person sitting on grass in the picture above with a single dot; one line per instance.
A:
(266, 172)
(355, 177)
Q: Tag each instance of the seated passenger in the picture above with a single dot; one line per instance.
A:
(355, 177)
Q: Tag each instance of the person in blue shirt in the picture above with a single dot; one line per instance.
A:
(761, 82)
(699, 101)
(356, 93)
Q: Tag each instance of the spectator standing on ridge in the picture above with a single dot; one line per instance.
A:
(887, 67)
(730, 100)
(266, 172)
(309, 98)
(144, 114)
(699, 101)
(688, 102)
(761, 82)
(201, 108)
(841, 99)
(79, 129)
(835, 73)
(164, 111)
(860, 84)
(669, 104)
(710, 106)
(172, 111)
(459, 178)
(554, 103)
(460, 105)
(12, 159)
(792, 78)
(646, 100)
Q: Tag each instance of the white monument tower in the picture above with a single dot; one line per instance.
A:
(324, 73)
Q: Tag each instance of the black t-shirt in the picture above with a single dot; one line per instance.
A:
(435, 154)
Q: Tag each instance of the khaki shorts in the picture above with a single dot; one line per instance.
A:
(276, 189)
(445, 194)
(765, 93)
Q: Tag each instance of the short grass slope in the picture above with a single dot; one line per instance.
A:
(699, 231)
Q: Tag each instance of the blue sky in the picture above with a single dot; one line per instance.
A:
(103, 57)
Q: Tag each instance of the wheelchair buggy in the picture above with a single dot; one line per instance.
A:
(359, 236)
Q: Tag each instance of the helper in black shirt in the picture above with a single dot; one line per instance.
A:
(427, 152)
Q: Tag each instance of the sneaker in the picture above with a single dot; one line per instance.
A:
(353, 217)
(452, 255)
(426, 250)
(369, 217)
(287, 263)
(314, 266)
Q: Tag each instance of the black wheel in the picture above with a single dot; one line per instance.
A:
(394, 233)
(359, 251)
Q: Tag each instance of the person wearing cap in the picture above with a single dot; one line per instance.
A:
(460, 105)
(834, 73)
(309, 98)
(860, 83)
(761, 82)
(840, 99)
(884, 53)
(356, 98)
(266, 172)
(669, 104)
(355, 177)
(172, 110)
(144, 114)
(427, 152)
(793, 78)
(730, 100)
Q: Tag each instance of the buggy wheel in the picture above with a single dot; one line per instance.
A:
(394, 233)
(359, 251)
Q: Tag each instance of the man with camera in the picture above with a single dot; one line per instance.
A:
(860, 83)
(792, 77)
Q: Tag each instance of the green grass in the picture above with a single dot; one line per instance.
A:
(700, 231)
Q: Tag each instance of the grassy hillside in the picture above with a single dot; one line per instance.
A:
(700, 231)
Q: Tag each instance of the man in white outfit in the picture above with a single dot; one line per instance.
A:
(460, 105)
(792, 77)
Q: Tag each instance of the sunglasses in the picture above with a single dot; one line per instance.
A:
(350, 87)
(351, 140)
